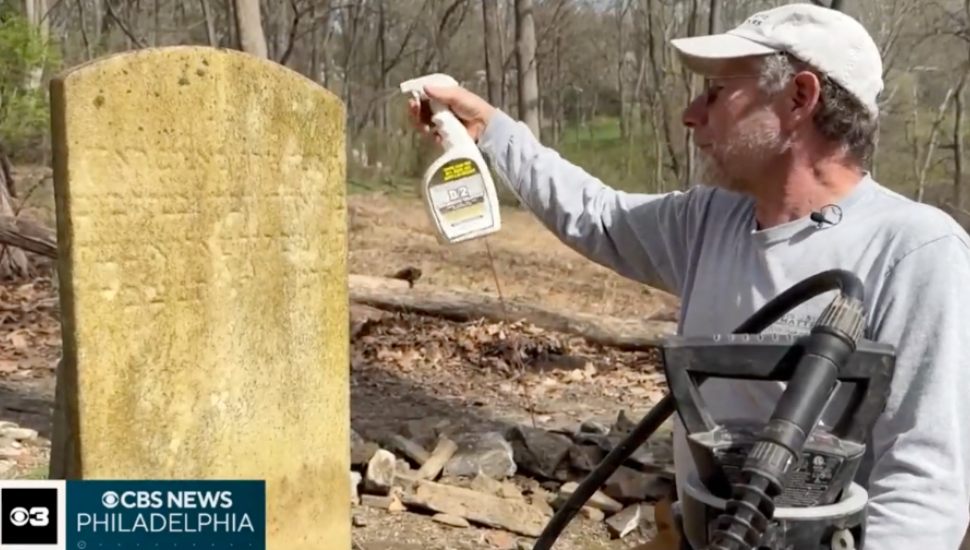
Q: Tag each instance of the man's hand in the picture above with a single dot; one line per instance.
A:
(473, 111)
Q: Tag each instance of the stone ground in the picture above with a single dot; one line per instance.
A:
(476, 376)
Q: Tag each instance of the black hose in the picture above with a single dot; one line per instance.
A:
(848, 284)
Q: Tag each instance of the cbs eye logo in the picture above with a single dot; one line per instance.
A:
(37, 516)
(28, 516)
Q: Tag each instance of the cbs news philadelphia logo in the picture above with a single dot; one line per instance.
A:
(103, 514)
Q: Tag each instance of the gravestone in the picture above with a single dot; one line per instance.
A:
(201, 223)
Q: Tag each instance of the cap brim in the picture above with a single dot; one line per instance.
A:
(705, 54)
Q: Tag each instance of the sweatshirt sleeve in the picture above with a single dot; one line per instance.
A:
(646, 237)
(920, 479)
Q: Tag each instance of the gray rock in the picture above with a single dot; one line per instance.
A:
(599, 499)
(488, 453)
(544, 507)
(355, 479)
(379, 477)
(627, 485)
(653, 456)
(382, 502)
(448, 519)
(485, 484)
(624, 424)
(604, 442)
(507, 489)
(585, 457)
(427, 431)
(594, 514)
(539, 452)
(512, 515)
(593, 427)
(19, 434)
(625, 521)
(645, 459)
(9, 452)
(361, 450)
(408, 448)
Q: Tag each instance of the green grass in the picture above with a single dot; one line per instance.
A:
(625, 163)
(38, 472)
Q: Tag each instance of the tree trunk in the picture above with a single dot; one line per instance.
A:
(493, 60)
(250, 28)
(714, 17)
(382, 61)
(210, 24)
(660, 100)
(456, 305)
(689, 83)
(621, 91)
(525, 45)
(958, 145)
(931, 140)
(36, 11)
(13, 261)
(558, 111)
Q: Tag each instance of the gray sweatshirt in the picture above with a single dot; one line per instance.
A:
(703, 245)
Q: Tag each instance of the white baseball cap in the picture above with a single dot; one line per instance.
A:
(831, 41)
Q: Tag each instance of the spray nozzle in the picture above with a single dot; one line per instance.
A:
(445, 123)
(415, 86)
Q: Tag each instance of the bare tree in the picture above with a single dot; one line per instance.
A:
(631, 82)
(249, 25)
(834, 4)
(493, 56)
(525, 47)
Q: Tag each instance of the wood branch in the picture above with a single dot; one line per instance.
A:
(27, 235)
(457, 305)
(934, 132)
(291, 40)
(123, 26)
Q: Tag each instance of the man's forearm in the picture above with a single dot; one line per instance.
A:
(641, 236)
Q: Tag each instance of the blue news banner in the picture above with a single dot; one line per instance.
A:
(142, 514)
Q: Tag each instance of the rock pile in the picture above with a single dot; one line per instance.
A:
(512, 480)
(13, 440)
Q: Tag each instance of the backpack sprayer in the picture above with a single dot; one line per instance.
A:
(787, 484)
(457, 187)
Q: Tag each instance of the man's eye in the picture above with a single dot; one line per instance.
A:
(712, 92)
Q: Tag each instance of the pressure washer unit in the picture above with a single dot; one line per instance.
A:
(787, 484)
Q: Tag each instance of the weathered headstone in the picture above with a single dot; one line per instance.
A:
(201, 224)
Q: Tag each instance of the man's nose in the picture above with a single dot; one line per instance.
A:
(696, 113)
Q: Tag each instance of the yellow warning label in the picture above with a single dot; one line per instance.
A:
(458, 169)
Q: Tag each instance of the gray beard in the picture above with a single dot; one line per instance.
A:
(745, 152)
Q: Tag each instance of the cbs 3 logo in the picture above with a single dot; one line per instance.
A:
(37, 516)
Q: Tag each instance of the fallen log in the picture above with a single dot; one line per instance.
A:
(458, 305)
(28, 235)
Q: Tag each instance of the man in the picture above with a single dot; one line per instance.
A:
(785, 125)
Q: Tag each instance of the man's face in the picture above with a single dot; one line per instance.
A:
(736, 127)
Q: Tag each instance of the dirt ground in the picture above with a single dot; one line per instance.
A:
(531, 264)
(412, 368)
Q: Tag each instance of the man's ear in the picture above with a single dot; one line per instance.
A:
(805, 95)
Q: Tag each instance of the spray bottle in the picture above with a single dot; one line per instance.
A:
(457, 187)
